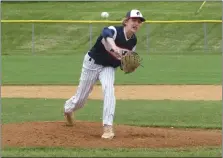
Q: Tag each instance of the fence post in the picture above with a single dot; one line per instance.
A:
(90, 35)
(205, 36)
(147, 39)
(33, 38)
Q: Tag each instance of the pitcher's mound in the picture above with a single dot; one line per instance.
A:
(88, 134)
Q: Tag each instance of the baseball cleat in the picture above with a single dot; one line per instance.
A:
(69, 119)
(108, 132)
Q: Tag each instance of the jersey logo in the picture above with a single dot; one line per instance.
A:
(123, 52)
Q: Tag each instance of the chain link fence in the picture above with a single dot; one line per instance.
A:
(72, 38)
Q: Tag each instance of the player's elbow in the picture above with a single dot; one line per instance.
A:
(107, 33)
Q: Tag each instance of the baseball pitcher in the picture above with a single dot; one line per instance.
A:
(115, 47)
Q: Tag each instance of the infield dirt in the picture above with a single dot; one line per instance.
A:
(87, 134)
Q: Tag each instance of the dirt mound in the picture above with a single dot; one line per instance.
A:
(87, 134)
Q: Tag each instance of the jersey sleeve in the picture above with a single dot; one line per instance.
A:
(109, 32)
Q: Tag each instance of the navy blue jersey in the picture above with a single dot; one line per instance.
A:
(100, 52)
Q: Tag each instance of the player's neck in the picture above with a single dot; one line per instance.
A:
(128, 33)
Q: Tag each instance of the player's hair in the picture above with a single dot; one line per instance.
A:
(124, 21)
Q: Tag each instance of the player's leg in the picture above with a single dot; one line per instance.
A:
(89, 76)
(107, 77)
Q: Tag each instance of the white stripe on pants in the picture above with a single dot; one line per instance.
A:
(91, 73)
(106, 78)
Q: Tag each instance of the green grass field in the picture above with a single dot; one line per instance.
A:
(177, 113)
(176, 55)
(59, 152)
(61, 47)
(158, 69)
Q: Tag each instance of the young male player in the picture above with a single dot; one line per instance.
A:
(100, 63)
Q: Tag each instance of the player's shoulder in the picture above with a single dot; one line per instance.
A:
(119, 28)
(114, 27)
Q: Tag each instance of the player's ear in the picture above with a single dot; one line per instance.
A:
(124, 21)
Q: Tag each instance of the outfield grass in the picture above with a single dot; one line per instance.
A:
(64, 39)
(176, 54)
(201, 114)
(157, 69)
(71, 152)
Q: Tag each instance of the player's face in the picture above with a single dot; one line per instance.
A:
(133, 24)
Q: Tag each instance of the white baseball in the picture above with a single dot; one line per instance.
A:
(104, 14)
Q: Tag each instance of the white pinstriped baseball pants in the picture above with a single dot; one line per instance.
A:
(91, 73)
